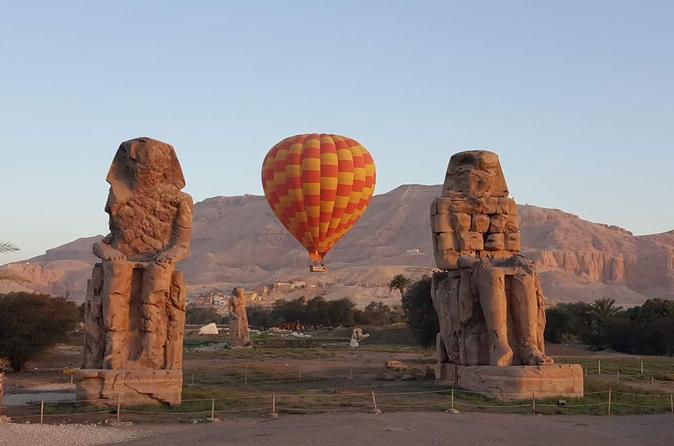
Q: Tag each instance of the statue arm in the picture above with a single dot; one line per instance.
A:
(181, 234)
(104, 251)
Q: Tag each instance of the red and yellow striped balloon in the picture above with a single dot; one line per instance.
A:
(318, 186)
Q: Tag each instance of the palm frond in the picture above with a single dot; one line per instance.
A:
(7, 247)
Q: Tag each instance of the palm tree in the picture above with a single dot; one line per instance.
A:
(4, 248)
(399, 282)
(7, 247)
(604, 310)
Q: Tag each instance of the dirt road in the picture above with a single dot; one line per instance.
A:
(424, 429)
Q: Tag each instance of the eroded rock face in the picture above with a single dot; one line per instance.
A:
(135, 304)
(488, 297)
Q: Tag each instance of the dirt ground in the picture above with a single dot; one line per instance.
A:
(364, 429)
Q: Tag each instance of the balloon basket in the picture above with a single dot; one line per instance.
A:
(318, 269)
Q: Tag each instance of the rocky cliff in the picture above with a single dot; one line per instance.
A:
(237, 240)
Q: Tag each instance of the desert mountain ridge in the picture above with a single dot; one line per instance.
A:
(238, 241)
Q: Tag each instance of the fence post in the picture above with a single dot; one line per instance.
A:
(41, 411)
(533, 400)
(609, 401)
(618, 375)
(213, 409)
(452, 398)
(119, 407)
(652, 382)
(642, 367)
(374, 403)
(598, 366)
(671, 402)
(273, 405)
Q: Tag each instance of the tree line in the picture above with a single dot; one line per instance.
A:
(646, 329)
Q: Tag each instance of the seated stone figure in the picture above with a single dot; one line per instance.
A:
(488, 297)
(136, 300)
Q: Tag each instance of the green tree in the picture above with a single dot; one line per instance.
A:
(420, 313)
(30, 323)
(401, 283)
(201, 315)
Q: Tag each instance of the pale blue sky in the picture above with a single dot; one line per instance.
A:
(576, 96)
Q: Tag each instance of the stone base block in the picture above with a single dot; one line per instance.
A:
(515, 382)
(102, 388)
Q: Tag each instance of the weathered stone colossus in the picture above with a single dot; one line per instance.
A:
(135, 305)
(239, 324)
(488, 298)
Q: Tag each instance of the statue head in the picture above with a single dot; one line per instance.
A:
(475, 173)
(143, 164)
(238, 292)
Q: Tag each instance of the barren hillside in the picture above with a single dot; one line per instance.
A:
(237, 240)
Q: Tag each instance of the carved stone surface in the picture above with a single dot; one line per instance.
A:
(239, 324)
(488, 298)
(135, 305)
(516, 382)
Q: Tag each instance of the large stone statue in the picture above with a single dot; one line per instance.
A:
(135, 305)
(488, 298)
(237, 311)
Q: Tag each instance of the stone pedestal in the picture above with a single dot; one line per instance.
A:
(515, 382)
(103, 388)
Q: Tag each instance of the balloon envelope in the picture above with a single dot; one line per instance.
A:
(318, 185)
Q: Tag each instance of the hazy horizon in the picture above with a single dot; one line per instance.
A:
(576, 98)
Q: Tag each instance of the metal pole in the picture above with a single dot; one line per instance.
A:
(374, 403)
(618, 375)
(213, 409)
(642, 367)
(273, 404)
(598, 366)
(609, 401)
(533, 401)
(652, 382)
(41, 411)
(671, 402)
(119, 406)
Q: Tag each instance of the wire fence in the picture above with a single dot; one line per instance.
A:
(451, 400)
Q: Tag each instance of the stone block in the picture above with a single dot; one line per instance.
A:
(460, 222)
(513, 223)
(495, 242)
(470, 241)
(441, 223)
(514, 383)
(446, 259)
(512, 241)
(103, 387)
(443, 205)
(443, 241)
(480, 223)
(489, 205)
(507, 206)
(498, 223)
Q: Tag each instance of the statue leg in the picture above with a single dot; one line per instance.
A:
(491, 283)
(525, 314)
(155, 293)
(116, 296)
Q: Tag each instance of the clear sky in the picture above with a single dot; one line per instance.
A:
(577, 98)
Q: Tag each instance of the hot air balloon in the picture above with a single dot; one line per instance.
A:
(318, 185)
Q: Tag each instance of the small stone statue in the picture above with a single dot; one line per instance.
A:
(237, 310)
